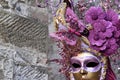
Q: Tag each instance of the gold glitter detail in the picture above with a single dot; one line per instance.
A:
(59, 18)
(85, 40)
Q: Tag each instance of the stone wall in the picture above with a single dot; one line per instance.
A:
(23, 40)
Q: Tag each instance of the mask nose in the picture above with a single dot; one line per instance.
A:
(83, 72)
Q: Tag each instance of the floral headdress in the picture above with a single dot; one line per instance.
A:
(97, 26)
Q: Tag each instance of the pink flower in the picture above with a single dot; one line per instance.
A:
(94, 14)
(111, 16)
(102, 37)
(74, 23)
(67, 37)
(70, 33)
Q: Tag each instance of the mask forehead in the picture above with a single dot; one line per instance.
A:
(82, 57)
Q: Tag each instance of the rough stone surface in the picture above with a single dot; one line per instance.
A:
(23, 41)
(25, 8)
(17, 64)
(23, 32)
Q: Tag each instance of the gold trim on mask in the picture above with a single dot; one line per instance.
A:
(59, 17)
(85, 40)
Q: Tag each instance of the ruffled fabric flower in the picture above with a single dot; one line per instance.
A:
(111, 47)
(67, 37)
(111, 16)
(102, 37)
(104, 28)
(63, 34)
(69, 34)
(74, 23)
(95, 39)
(94, 14)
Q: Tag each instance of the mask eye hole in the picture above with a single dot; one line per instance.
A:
(76, 65)
(92, 64)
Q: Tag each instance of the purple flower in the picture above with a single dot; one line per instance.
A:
(111, 16)
(102, 39)
(101, 25)
(69, 34)
(111, 47)
(74, 23)
(104, 29)
(95, 39)
(108, 47)
(94, 14)
(70, 15)
(67, 37)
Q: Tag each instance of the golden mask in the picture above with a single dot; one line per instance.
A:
(86, 66)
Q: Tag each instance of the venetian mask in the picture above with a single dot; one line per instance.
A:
(85, 34)
(86, 66)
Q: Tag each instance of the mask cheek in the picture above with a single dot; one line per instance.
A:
(93, 75)
(87, 76)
